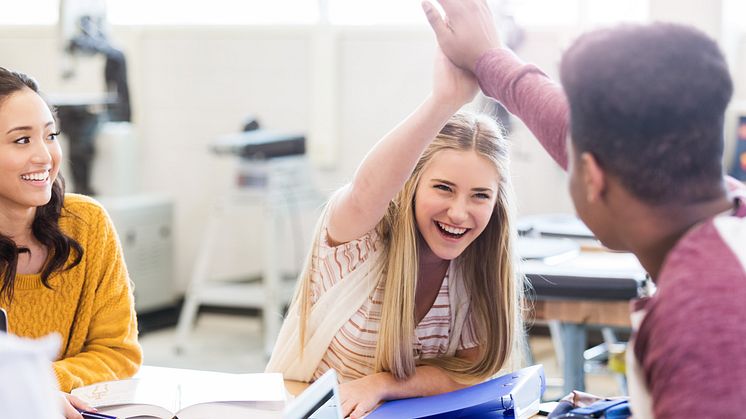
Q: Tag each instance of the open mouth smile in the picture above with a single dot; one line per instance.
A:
(451, 231)
(36, 177)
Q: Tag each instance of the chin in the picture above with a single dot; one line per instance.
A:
(40, 201)
(613, 244)
(448, 254)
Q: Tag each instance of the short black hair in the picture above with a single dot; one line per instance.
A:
(648, 101)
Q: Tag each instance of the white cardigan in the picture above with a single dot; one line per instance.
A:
(335, 307)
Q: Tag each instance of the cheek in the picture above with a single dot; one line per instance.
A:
(55, 151)
(482, 216)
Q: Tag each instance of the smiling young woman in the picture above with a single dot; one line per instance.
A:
(409, 288)
(61, 265)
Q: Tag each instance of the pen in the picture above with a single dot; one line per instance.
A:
(94, 415)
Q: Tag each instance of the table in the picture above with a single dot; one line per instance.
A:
(590, 288)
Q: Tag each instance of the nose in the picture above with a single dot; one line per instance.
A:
(458, 212)
(40, 152)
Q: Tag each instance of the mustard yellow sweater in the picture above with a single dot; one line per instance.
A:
(90, 306)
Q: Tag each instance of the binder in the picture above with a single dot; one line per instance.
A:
(514, 395)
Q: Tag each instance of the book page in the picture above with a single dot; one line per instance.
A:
(265, 390)
(129, 392)
(174, 389)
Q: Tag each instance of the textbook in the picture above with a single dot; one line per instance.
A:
(513, 395)
(167, 393)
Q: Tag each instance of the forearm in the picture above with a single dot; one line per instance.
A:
(111, 350)
(427, 381)
(98, 364)
(530, 95)
(386, 168)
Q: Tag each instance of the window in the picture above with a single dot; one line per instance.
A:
(212, 12)
(366, 12)
(29, 12)
(583, 13)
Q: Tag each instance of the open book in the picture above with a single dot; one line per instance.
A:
(188, 394)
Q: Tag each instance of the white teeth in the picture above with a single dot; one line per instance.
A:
(452, 230)
(36, 176)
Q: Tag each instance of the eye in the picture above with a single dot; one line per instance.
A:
(482, 195)
(23, 140)
(442, 187)
(53, 136)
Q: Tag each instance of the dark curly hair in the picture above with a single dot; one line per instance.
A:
(45, 227)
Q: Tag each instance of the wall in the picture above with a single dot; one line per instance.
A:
(191, 85)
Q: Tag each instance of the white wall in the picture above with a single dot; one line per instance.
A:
(190, 85)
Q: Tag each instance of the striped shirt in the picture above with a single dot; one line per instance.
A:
(351, 352)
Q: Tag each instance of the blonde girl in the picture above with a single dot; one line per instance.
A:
(409, 288)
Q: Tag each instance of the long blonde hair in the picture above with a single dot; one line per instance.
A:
(487, 266)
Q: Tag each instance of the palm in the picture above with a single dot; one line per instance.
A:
(452, 83)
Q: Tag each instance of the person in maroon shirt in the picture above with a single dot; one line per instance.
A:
(644, 108)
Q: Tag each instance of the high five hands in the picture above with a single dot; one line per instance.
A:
(465, 32)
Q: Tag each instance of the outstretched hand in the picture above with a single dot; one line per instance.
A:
(467, 31)
(452, 84)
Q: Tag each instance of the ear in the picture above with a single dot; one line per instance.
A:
(593, 177)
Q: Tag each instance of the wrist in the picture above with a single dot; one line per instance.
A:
(444, 104)
(385, 382)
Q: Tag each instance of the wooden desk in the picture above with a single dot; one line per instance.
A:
(607, 313)
(592, 288)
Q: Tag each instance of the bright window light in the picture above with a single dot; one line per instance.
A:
(578, 12)
(604, 12)
(379, 12)
(29, 12)
(212, 12)
(545, 12)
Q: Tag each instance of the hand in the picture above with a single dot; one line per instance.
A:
(70, 403)
(361, 396)
(467, 32)
(452, 84)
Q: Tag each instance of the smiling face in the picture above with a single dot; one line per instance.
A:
(29, 151)
(454, 201)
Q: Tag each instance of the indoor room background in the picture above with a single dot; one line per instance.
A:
(341, 72)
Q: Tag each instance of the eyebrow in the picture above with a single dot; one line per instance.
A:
(27, 128)
(449, 183)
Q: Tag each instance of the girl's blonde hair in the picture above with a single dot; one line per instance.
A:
(487, 267)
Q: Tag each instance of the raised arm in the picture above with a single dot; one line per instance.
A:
(361, 204)
(469, 39)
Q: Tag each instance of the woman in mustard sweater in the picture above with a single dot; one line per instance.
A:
(61, 264)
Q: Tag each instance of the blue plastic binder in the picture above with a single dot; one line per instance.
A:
(514, 395)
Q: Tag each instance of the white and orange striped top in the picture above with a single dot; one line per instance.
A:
(352, 349)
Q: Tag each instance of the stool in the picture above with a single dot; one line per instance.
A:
(279, 184)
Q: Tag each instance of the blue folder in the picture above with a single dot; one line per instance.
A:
(514, 395)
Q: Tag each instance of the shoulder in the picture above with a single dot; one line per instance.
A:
(702, 285)
(693, 326)
(80, 213)
(82, 206)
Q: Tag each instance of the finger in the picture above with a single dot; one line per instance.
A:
(347, 407)
(434, 18)
(80, 403)
(359, 412)
(69, 410)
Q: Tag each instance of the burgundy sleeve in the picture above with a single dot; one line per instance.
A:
(529, 94)
(690, 343)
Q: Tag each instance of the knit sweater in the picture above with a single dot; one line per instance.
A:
(90, 306)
